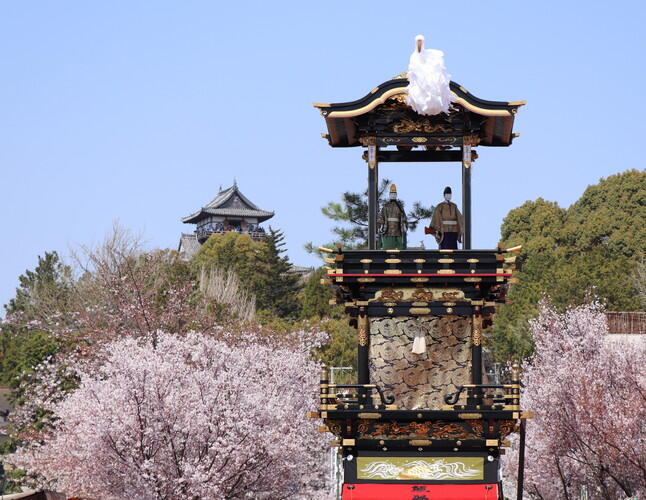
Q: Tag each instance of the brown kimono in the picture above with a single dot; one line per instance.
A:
(448, 219)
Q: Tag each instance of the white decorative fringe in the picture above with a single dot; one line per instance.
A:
(428, 90)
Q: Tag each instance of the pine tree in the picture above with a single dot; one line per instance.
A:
(279, 292)
(352, 213)
(43, 290)
(48, 282)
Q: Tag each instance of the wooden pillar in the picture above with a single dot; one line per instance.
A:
(466, 194)
(521, 461)
(373, 193)
(363, 347)
(515, 380)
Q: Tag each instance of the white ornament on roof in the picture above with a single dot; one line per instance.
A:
(428, 90)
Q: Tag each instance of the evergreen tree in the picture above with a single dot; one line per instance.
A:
(236, 252)
(352, 213)
(280, 287)
(316, 297)
(262, 266)
(341, 349)
(48, 283)
(41, 291)
(591, 248)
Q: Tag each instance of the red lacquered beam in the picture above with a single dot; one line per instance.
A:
(419, 491)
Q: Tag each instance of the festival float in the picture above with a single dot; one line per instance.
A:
(421, 423)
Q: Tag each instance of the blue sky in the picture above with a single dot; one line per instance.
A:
(139, 111)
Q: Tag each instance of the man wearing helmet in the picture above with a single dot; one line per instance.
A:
(392, 223)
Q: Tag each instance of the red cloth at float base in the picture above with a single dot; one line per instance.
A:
(420, 492)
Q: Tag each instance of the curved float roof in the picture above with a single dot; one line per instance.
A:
(498, 116)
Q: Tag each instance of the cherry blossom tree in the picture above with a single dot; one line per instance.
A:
(126, 291)
(588, 391)
(191, 417)
(137, 405)
(121, 290)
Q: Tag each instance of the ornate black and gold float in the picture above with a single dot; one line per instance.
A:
(414, 412)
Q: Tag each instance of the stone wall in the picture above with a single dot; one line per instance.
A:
(420, 381)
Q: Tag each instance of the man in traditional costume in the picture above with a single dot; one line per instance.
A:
(392, 223)
(447, 224)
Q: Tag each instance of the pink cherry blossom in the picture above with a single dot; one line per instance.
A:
(588, 392)
(195, 417)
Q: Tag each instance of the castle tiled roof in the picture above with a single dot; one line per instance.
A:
(232, 203)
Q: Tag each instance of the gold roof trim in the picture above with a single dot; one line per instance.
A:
(402, 90)
(321, 104)
(480, 111)
(368, 107)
